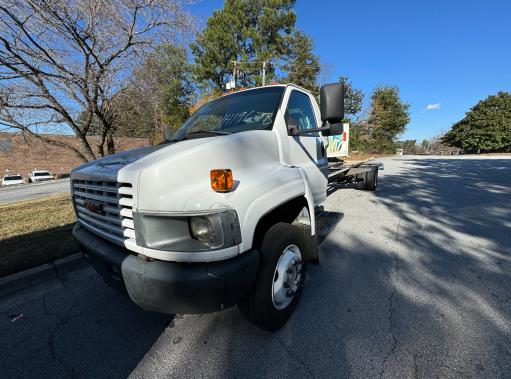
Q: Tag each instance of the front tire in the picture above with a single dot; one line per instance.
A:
(280, 279)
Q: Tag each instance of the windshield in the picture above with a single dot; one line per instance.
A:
(13, 177)
(42, 174)
(240, 112)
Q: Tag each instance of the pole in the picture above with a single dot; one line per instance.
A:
(264, 73)
(234, 74)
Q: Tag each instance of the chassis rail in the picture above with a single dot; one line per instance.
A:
(340, 172)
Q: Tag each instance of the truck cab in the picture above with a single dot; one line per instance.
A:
(208, 219)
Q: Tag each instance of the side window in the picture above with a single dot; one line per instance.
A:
(300, 109)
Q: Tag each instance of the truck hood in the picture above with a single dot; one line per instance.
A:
(176, 176)
(107, 168)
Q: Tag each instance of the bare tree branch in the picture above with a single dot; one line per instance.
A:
(63, 61)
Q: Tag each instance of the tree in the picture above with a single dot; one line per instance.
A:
(486, 127)
(409, 146)
(159, 96)
(303, 66)
(353, 97)
(63, 62)
(388, 117)
(247, 31)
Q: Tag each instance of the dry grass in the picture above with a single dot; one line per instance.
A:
(34, 232)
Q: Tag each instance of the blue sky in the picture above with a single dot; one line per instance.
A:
(447, 54)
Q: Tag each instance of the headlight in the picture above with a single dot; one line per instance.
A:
(208, 229)
(201, 229)
(181, 232)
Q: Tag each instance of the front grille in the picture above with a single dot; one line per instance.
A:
(105, 208)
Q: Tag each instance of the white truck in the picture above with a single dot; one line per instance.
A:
(39, 176)
(207, 220)
(12, 180)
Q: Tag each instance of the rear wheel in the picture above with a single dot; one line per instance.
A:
(368, 180)
(278, 286)
(361, 181)
(372, 178)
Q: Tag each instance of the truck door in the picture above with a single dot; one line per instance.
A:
(307, 150)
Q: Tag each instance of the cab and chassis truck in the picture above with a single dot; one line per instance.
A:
(223, 212)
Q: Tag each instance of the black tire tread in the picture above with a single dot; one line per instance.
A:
(248, 306)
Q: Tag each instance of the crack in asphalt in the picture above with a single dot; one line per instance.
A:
(394, 273)
(415, 366)
(295, 358)
(286, 349)
(61, 321)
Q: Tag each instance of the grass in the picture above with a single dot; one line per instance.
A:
(33, 232)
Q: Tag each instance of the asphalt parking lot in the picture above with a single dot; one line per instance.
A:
(414, 281)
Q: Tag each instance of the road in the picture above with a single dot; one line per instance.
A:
(33, 191)
(414, 281)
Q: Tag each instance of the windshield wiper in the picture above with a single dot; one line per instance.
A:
(200, 131)
(208, 131)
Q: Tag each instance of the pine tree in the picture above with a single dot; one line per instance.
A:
(486, 127)
(388, 117)
(303, 66)
(253, 31)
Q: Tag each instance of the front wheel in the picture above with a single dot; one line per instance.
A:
(280, 279)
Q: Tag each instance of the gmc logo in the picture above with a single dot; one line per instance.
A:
(94, 207)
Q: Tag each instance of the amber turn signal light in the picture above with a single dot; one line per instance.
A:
(221, 180)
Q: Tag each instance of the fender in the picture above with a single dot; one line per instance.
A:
(268, 202)
(264, 204)
(313, 251)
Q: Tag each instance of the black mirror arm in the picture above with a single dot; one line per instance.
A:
(315, 130)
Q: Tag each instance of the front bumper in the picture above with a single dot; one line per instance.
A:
(170, 287)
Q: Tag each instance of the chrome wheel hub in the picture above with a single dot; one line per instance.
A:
(287, 277)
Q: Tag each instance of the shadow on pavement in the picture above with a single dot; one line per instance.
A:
(416, 286)
(452, 270)
(30, 250)
(76, 327)
(424, 295)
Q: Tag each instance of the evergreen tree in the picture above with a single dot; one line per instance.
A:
(388, 117)
(352, 97)
(303, 66)
(486, 127)
(253, 31)
(159, 95)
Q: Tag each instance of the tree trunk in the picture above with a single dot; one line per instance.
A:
(86, 149)
(110, 143)
(101, 143)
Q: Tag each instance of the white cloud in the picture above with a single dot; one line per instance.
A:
(433, 107)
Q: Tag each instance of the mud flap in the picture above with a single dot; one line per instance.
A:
(312, 254)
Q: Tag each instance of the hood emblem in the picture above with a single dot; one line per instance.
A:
(94, 207)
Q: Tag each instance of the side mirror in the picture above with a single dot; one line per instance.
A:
(332, 130)
(332, 104)
(336, 129)
(292, 126)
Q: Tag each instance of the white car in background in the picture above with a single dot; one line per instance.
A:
(39, 176)
(12, 179)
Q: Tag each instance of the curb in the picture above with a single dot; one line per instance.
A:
(37, 275)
